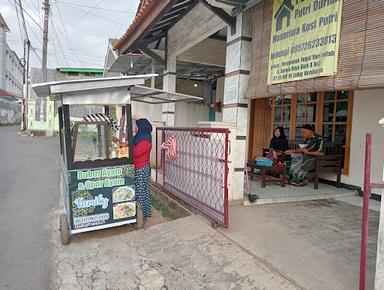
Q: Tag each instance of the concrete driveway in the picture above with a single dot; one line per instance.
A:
(316, 243)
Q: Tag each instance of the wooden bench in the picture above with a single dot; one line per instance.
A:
(332, 161)
(279, 172)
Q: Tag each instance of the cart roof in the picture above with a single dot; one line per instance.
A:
(112, 90)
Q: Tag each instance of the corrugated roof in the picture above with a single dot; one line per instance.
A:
(153, 19)
(144, 7)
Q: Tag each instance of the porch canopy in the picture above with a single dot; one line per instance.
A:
(155, 18)
(108, 91)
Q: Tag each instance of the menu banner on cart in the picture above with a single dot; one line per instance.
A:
(305, 38)
(101, 196)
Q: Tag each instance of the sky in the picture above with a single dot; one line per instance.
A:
(78, 29)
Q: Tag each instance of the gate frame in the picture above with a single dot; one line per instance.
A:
(225, 131)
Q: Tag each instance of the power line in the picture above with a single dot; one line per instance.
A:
(26, 12)
(69, 54)
(35, 53)
(96, 15)
(65, 31)
(55, 48)
(34, 34)
(54, 31)
(23, 20)
(19, 22)
(97, 8)
(87, 12)
(32, 6)
(125, 18)
(85, 53)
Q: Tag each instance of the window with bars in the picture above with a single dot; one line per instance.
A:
(329, 112)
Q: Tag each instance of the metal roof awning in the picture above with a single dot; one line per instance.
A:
(60, 87)
(104, 91)
(155, 96)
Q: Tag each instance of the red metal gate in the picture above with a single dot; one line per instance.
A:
(194, 167)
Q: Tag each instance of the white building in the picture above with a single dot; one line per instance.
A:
(11, 68)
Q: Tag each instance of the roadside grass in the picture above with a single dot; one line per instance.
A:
(163, 210)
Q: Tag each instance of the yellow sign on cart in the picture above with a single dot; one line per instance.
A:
(304, 39)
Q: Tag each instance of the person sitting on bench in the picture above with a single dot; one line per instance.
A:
(303, 158)
(278, 145)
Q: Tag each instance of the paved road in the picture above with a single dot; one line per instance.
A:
(29, 179)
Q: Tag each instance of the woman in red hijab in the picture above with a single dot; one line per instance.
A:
(142, 150)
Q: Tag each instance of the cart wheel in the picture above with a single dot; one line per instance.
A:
(140, 218)
(64, 229)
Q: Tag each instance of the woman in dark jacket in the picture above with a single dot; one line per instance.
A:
(141, 150)
(279, 143)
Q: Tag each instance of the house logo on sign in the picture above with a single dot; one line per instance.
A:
(284, 13)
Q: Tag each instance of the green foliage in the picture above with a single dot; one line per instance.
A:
(163, 210)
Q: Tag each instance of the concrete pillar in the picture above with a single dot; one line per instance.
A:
(235, 109)
(169, 85)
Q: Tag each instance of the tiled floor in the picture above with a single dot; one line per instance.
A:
(274, 193)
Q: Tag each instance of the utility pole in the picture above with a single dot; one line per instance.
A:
(24, 107)
(43, 102)
(45, 39)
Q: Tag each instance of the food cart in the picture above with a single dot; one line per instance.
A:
(95, 130)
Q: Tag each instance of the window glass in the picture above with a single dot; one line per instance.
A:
(300, 113)
(341, 111)
(329, 96)
(98, 136)
(301, 98)
(311, 113)
(287, 100)
(340, 134)
(278, 112)
(327, 132)
(286, 113)
(312, 97)
(90, 143)
(328, 112)
(342, 95)
(286, 130)
(298, 131)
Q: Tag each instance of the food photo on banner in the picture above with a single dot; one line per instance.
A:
(305, 39)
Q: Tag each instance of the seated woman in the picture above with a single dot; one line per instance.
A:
(300, 167)
(279, 144)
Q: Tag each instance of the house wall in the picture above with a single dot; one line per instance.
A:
(140, 110)
(189, 114)
(3, 58)
(11, 70)
(368, 108)
(10, 112)
(14, 73)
